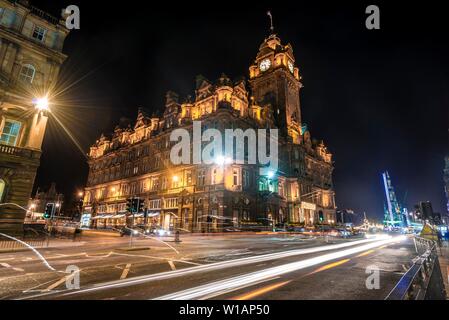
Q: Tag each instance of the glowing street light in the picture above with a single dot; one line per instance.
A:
(41, 104)
(175, 178)
(221, 160)
(270, 174)
(80, 194)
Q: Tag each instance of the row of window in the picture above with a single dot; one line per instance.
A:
(163, 183)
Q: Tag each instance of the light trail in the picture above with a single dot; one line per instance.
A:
(260, 291)
(216, 288)
(215, 266)
(365, 253)
(31, 248)
(330, 266)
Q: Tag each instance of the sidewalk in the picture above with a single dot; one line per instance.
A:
(443, 258)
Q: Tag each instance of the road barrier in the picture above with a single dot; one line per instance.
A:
(12, 245)
(423, 281)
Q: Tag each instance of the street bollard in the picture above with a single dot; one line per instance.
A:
(177, 237)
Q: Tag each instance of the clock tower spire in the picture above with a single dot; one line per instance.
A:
(275, 81)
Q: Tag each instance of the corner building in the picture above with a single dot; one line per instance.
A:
(135, 161)
(31, 43)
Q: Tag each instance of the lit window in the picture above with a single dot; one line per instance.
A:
(214, 176)
(39, 33)
(201, 178)
(10, 133)
(2, 189)
(235, 174)
(27, 73)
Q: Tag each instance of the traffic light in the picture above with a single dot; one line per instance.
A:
(140, 205)
(135, 203)
(48, 211)
(129, 204)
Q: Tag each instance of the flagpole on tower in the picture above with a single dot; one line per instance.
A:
(271, 21)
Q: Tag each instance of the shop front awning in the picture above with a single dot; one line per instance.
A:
(153, 213)
(103, 216)
(117, 216)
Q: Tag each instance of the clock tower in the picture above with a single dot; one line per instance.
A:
(275, 81)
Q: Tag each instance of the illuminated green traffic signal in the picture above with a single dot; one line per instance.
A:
(129, 205)
(48, 211)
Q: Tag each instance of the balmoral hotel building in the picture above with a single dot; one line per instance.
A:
(30, 58)
(135, 161)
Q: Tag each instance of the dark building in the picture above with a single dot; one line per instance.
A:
(135, 162)
(446, 185)
(426, 212)
(41, 200)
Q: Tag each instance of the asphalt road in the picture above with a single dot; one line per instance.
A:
(209, 267)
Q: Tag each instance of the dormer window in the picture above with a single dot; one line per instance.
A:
(27, 73)
(39, 33)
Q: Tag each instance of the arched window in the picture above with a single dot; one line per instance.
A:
(27, 73)
(2, 189)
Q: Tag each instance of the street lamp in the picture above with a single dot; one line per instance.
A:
(41, 104)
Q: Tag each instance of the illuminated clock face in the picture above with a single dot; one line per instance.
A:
(290, 66)
(265, 65)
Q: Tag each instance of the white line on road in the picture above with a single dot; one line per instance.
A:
(61, 281)
(172, 265)
(125, 271)
(6, 265)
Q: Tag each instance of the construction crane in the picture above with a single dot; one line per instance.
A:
(393, 210)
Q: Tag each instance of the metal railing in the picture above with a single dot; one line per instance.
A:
(423, 281)
(34, 240)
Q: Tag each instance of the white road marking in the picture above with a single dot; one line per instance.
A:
(125, 271)
(7, 259)
(61, 281)
(172, 265)
(33, 289)
(6, 265)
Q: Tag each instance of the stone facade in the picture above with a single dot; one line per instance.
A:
(135, 161)
(30, 58)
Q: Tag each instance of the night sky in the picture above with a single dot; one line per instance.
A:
(378, 98)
